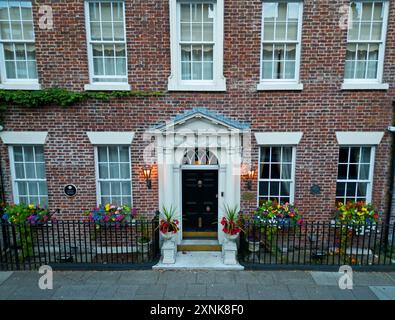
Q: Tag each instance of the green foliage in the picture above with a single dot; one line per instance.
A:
(62, 97)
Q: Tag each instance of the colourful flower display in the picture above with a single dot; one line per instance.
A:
(273, 213)
(356, 213)
(110, 213)
(22, 213)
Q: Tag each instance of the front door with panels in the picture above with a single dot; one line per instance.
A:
(200, 200)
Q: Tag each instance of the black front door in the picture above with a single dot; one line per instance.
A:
(200, 200)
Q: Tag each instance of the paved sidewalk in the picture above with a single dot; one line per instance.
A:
(197, 285)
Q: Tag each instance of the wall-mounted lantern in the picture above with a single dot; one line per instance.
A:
(250, 177)
(147, 175)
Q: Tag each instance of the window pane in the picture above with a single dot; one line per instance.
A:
(366, 155)
(265, 154)
(185, 71)
(33, 188)
(119, 31)
(286, 171)
(342, 171)
(362, 189)
(280, 31)
(22, 188)
(351, 189)
(197, 32)
(19, 171)
(364, 172)
(185, 32)
(289, 70)
(263, 188)
(103, 171)
(208, 12)
(126, 188)
(372, 70)
(102, 153)
(115, 188)
(276, 154)
(107, 31)
(185, 12)
(274, 188)
(29, 155)
(196, 71)
(208, 32)
(354, 155)
(28, 31)
(18, 153)
(197, 53)
(287, 154)
(42, 189)
(267, 53)
(40, 170)
(105, 11)
(117, 9)
(353, 171)
(275, 171)
(340, 189)
(105, 188)
(114, 171)
(265, 171)
(285, 188)
(10, 70)
(292, 31)
(196, 12)
(208, 71)
(268, 31)
(125, 171)
(124, 153)
(39, 153)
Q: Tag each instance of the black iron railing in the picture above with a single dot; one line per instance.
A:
(316, 244)
(79, 245)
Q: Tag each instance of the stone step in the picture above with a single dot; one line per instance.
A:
(199, 245)
(201, 235)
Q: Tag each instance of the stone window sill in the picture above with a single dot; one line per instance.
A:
(20, 86)
(270, 86)
(365, 86)
(107, 87)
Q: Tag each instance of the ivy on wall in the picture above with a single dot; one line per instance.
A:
(62, 97)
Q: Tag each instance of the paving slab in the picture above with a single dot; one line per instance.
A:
(176, 277)
(372, 278)
(125, 292)
(363, 293)
(175, 291)
(293, 277)
(228, 291)
(196, 290)
(29, 293)
(151, 290)
(320, 293)
(384, 292)
(7, 290)
(138, 277)
(259, 292)
(76, 292)
(4, 275)
(326, 278)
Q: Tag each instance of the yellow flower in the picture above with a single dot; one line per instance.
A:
(31, 206)
(278, 206)
(107, 207)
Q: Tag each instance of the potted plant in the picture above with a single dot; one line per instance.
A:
(168, 225)
(231, 223)
(144, 240)
(111, 214)
(29, 218)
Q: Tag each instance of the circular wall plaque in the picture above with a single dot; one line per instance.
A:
(315, 189)
(70, 190)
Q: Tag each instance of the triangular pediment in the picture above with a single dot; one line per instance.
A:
(201, 118)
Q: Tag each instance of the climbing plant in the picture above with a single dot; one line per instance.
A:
(62, 97)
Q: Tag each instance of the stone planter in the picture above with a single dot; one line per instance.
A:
(168, 235)
(231, 237)
(144, 247)
(253, 246)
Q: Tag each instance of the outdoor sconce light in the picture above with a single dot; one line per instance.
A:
(250, 177)
(147, 175)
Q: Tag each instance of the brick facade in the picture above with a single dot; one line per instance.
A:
(320, 110)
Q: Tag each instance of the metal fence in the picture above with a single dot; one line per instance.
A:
(79, 245)
(317, 244)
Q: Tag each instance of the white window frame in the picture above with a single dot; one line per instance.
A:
(283, 84)
(14, 180)
(370, 84)
(175, 83)
(97, 178)
(17, 84)
(293, 171)
(369, 189)
(104, 86)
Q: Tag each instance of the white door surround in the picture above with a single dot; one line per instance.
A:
(199, 128)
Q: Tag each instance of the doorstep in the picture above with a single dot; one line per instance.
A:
(198, 260)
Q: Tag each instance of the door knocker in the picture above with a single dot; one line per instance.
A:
(200, 183)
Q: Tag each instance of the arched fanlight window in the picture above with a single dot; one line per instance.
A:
(199, 157)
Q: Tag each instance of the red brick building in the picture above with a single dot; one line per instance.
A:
(307, 96)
